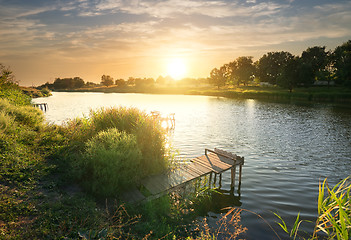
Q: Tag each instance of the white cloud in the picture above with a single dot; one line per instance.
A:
(173, 8)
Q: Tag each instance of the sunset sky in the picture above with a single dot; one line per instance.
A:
(41, 40)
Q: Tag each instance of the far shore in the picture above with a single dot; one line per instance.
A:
(323, 94)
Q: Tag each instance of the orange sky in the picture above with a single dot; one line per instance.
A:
(41, 40)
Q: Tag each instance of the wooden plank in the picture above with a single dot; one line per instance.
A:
(202, 168)
(132, 196)
(177, 179)
(192, 170)
(218, 159)
(155, 184)
(185, 172)
(212, 161)
(215, 160)
(205, 161)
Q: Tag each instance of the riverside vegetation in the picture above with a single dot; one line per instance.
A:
(60, 182)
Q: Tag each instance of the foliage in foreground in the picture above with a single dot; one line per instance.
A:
(112, 149)
(334, 213)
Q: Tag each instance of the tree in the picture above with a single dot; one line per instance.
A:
(218, 77)
(270, 66)
(244, 70)
(231, 69)
(7, 79)
(78, 82)
(106, 80)
(120, 82)
(68, 83)
(317, 58)
(160, 80)
(341, 58)
(289, 77)
(305, 74)
(131, 81)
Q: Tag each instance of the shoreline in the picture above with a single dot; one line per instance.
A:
(332, 95)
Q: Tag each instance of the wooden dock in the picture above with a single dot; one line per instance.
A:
(41, 106)
(212, 162)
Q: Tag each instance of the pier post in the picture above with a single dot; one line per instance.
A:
(209, 182)
(233, 170)
(240, 172)
(215, 178)
(220, 180)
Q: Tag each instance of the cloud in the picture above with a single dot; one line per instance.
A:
(174, 8)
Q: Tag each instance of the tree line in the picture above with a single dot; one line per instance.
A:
(107, 80)
(315, 64)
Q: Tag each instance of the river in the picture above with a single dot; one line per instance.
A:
(288, 148)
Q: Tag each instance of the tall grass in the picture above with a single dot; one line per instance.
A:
(25, 115)
(149, 134)
(334, 213)
(113, 148)
(111, 162)
(14, 95)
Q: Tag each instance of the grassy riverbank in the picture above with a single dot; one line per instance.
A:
(313, 94)
(60, 181)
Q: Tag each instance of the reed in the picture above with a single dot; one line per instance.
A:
(334, 213)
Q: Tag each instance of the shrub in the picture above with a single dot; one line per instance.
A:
(15, 96)
(111, 162)
(149, 134)
(26, 115)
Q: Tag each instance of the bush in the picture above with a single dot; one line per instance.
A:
(15, 96)
(149, 134)
(26, 115)
(111, 162)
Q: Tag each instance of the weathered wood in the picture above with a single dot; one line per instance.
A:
(240, 172)
(41, 106)
(210, 161)
(213, 162)
(133, 196)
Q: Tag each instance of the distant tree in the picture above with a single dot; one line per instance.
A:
(289, 77)
(90, 84)
(68, 83)
(306, 75)
(7, 79)
(218, 77)
(120, 82)
(131, 81)
(245, 70)
(270, 66)
(78, 82)
(317, 58)
(160, 80)
(106, 80)
(341, 58)
(46, 85)
(143, 82)
(232, 68)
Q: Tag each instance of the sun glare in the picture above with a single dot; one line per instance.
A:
(176, 69)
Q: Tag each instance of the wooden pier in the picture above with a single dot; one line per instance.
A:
(41, 106)
(212, 162)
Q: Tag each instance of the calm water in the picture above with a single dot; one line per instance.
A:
(288, 148)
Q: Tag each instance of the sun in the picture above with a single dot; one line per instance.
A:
(176, 69)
